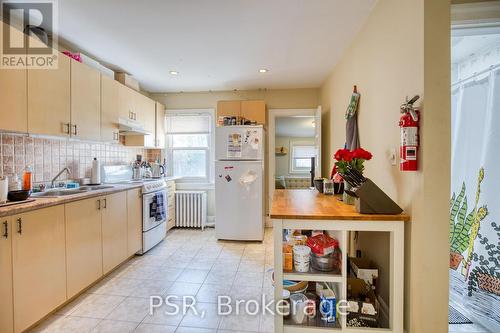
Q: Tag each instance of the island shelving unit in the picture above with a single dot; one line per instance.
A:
(310, 210)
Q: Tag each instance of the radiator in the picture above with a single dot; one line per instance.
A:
(190, 209)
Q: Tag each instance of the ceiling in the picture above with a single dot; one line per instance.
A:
(217, 44)
(298, 127)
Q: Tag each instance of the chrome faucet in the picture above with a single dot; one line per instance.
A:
(57, 176)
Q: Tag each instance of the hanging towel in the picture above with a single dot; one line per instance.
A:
(351, 127)
(157, 207)
(161, 213)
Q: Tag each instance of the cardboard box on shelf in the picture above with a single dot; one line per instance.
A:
(364, 269)
(127, 80)
(363, 306)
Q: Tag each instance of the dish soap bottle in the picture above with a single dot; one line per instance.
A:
(27, 179)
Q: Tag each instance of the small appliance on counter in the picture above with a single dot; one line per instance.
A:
(157, 170)
(369, 198)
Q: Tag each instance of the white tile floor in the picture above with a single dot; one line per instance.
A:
(187, 262)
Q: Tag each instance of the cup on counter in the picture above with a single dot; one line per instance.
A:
(4, 189)
(301, 258)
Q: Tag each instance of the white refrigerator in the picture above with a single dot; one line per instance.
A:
(239, 183)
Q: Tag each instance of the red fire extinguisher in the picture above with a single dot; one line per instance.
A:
(409, 125)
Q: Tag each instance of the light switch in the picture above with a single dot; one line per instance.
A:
(393, 156)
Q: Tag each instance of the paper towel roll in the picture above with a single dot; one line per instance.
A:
(96, 172)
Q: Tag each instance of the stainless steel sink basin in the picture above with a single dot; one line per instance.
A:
(95, 187)
(56, 193)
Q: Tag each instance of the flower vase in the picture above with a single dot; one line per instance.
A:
(346, 198)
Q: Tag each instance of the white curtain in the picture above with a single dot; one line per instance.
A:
(475, 199)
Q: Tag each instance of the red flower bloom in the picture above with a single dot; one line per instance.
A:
(343, 155)
(360, 153)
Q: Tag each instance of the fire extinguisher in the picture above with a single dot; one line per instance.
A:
(409, 125)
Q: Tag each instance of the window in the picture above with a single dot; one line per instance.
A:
(189, 144)
(300, 157)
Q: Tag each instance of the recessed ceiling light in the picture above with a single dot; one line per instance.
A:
(174, 72)
(263, 70)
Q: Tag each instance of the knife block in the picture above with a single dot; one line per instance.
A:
(372, 200)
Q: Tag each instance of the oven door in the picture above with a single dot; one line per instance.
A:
(149, 216)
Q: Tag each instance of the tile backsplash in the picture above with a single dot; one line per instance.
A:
(47, 156)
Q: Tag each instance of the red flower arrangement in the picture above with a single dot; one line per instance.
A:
(354, 158)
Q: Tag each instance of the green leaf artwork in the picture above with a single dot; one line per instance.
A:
(464, 226)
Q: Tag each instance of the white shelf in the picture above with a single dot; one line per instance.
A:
(311, 325)
(313, 276)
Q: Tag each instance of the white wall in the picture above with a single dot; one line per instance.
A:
(283, 161)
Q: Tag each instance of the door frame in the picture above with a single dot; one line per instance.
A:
(271, 130)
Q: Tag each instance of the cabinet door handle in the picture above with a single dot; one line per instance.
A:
(98, 204)
(66, 128)
(134, 115)
(105, 204)
(20, 226)
(5, 229)
(130, 115)
(74, 129)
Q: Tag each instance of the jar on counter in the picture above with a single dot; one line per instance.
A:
(14, 183)
(27, 179)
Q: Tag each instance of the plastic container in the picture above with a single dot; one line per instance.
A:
(4, 189)
(328, 187)
(301, 258)
(15, 183)
(327, 263)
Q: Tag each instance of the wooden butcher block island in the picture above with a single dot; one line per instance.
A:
(309, 210)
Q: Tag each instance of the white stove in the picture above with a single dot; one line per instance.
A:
(153, 185)
(154, 203)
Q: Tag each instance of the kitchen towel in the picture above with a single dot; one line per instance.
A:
(160, 212)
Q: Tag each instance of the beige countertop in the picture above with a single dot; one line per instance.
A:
(312, 205)
(41, 202)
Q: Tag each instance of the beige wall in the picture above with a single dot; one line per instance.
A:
(275, 99)
(398, 54)
(282, 162)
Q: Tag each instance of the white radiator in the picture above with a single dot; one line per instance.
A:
(190, 209)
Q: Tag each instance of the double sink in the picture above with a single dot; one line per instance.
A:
(63, 192)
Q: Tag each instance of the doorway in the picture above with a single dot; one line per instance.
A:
(475, 177)
(294, 137)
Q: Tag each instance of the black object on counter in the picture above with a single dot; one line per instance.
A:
(338, 188)
(369, 198)
(318, 183)
(18, 195)
(313, 171)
